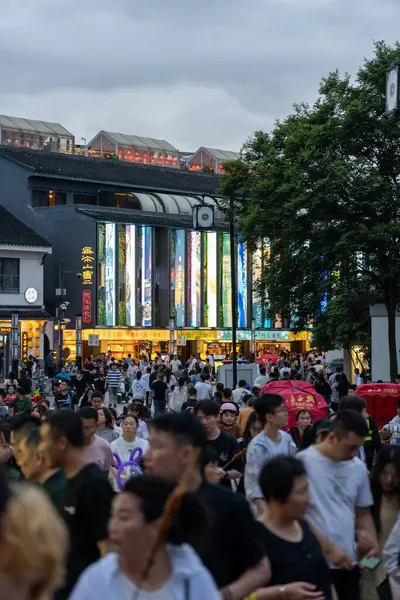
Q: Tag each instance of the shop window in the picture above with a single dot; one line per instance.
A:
(9, 275)
(42, 198)
(90, 199)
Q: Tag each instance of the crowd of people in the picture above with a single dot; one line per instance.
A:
(191, 491)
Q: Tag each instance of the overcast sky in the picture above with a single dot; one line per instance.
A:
(193, 72)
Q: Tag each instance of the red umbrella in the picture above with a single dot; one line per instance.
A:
(264, 358)
(298, 395)
(382, 400)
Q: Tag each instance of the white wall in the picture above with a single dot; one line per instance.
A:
(30, 275)
(379, 342)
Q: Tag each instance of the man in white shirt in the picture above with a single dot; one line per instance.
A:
(272, 441)
(341, 497)
(262, 379)
(239, 393)
(175, 364)
(203, 389)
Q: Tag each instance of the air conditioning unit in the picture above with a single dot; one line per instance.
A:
(203, 217)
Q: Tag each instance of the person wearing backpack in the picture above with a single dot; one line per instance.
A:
(138, 389)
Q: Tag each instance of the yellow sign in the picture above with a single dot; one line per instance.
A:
(88, 262)
(119, 335)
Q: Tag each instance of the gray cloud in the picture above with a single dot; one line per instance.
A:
(195, 73)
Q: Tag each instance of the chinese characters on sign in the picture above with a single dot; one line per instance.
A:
(87, 265)
(87, 306)
(24, 346)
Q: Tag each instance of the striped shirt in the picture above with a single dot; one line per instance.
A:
(113, 378)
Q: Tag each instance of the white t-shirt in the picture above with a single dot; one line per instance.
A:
(204, 391)
(337, 488)
(237, 395)
(124, 448)
(261, 380)
(126, 590)
(260, 450)
(175, 364)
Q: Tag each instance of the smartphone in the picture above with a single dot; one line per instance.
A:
(371, 563)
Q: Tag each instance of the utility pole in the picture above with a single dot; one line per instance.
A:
(232, 236)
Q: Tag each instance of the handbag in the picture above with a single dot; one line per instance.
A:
(383, 590)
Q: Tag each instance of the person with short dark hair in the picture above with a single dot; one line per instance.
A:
(97, 400)
(160, 393)
(191, 401)
(233, 554)
(298, 566)
(341, 496)
(270, 442)
(21, 405)
(372, 441)
(19, 428)
(223, 444)
(86, 502)
(35, 469)
(97, 449)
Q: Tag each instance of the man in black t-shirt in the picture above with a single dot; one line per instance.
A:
(159, 389)
(232, 554)
(225, 446)
(85, 504)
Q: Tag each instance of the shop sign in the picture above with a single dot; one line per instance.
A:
(181, 340)
(86, 306)
(88, 261)
(5, 329)
(244, 335)
(93, 340)
(24, 346)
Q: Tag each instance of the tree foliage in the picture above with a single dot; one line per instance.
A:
(323, 188)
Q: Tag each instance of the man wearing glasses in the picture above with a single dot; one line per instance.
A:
(271, 442)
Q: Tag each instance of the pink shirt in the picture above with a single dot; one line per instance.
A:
(99, 452)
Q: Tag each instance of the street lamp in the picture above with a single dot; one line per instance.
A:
(393, 90)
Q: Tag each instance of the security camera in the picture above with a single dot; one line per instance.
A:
(79, 275)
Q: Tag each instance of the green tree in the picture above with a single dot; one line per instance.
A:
(323, 187)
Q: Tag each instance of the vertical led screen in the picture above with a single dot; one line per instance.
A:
(195, 270)
(180, 278)
(110, 274)
(257, 271)
(226, 282)
(130, 275)
(212, 279)
(146, 284)
(242, 283)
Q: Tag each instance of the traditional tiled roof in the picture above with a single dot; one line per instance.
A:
(15, 233)
(146, 177)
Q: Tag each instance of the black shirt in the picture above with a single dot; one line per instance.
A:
(235, 544)
(153, 377)
(85, 506)
(225, 447)
(301, 561)
(159, 388)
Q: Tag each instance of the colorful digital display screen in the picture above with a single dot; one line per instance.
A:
(195, 268)
(212, 278)
(257, 272)
(110, 251)
(242, 283)
(146, 283)
(180, 267)
(226, 281)
(130, 275)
